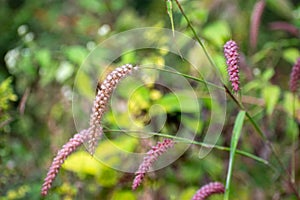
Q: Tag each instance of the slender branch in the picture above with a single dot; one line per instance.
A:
(196, 36)
(293, 161)
(186, 76)
(189, 141)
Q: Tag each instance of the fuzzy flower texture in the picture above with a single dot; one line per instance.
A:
(152, 155)
(101, 101)
(60, 158)
(295, 77)
(208, 190)
(94, 132)
(232, 60)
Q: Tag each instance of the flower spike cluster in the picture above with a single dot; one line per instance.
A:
(232, 60)
(60, 158)
(208, 190)
(94, 132)
(101, 101)
(152, 155)
(295, 77)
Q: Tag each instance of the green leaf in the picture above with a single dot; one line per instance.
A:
(271, 95)
(64, 71)
(6, 94)
(123, 194)
(107, 177)
(92, 5)
(269, 73)
(83, 163)
(170, 13)
(83, 82)
(281, 7)
(217, 32)
(108, 151)
(291, 55)
(188, 193)
(238, 125)
(76, 54)
(43, 57)
(288, 98)
(192, 123)
(179, 102)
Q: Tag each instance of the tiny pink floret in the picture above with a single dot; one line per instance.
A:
(152, 155)
(232, 60)
(208, 190)
(295, 77)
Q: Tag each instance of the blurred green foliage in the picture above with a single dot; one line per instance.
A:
(43, 44)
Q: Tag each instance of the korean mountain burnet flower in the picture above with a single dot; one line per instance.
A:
(101, 100)
(94, 132)
(208, 190)
(60, 158)
(295, 77)
(152, 155)
(232, 60)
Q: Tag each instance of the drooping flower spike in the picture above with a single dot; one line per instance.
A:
(94, 132)
(77, 140)
(208, 190)
(232, 60)
(152, 155)
(295, 77)
(101, 101)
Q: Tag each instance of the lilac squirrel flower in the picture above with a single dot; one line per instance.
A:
(101, 101)
(232, 61)
(151, 157)
(295, 77)
(60, 158)
(208, 190)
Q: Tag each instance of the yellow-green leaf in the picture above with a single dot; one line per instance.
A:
(271, 95)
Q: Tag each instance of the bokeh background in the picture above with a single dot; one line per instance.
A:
(42, 46)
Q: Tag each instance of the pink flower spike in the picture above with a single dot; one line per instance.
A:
(60, 158)
(295, 77)
(255, 22)
(232, 60)
(101, 101)
(152, 155)
(208, 190)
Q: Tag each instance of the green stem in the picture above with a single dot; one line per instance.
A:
(189, 141)
(293, 160)
(186, 76)
(196, 35)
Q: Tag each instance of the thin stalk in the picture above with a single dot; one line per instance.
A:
(195, 34)
(293, 160)
(186, 76)
(189, 141)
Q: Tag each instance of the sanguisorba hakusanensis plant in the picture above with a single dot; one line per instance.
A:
(208, 190)
(232, 60)
(94, 132)
(149, 159)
